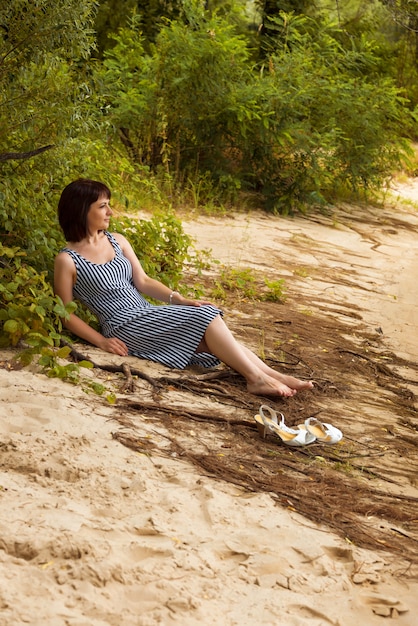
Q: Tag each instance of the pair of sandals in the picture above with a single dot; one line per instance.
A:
(312, 430)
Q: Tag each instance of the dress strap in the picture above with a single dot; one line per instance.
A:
(113, 241)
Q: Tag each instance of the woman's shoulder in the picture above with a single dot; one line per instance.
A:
(64, 256)
(64, 262)
(67, 252)
(118, 237)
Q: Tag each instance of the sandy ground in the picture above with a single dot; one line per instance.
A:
(93, 533)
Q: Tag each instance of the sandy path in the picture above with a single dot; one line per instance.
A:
(400, 315)
(380, 261)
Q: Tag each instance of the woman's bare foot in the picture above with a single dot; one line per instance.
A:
(289, 381)
(294, 383)
(268, 386)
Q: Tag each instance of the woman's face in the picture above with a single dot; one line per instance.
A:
(99, 214)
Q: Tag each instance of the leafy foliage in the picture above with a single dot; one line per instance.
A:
(178, 108)
(331, 126)
(317, 118)
(160, 243)
(29, 310)
(40, 44)
(45, 103)
(244, 284)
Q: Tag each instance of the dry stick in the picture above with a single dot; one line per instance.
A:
(182, 382)
(138, 444)
(11, 156)
(383, 369)
(180, 412)
(297, 360)
(79, 356)
(397, 530)
(190, 384)
(202, 387)
(220, 374)
(129, 385)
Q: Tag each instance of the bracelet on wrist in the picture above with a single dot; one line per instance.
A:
(172, 294)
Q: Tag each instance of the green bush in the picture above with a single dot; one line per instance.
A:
(316, 117)
(29, 311)
(329, 121)
(179, 108)
(160, 244)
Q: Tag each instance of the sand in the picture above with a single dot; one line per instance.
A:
(93, 533)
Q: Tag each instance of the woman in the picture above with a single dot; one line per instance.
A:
(102, 271)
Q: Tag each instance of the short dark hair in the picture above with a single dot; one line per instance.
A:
(74, 204)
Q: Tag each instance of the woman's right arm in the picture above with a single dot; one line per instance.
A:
(64, 279)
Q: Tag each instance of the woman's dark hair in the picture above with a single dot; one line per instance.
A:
(74, 205)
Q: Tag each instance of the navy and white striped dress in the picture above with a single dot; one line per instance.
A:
(166, 334)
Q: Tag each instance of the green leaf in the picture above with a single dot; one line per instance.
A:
(63, 352)
(86, 364)
(111, 398)
(38, 340)
(98, 388)
(26, 357)
(11, 326)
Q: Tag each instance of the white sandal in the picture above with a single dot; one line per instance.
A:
(289, 436)
(324, 433)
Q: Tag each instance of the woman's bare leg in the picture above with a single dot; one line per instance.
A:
(219, 341)
(290, 381)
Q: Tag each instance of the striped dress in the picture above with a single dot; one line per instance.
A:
(167, 334)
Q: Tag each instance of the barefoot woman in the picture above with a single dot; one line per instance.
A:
(101, 270)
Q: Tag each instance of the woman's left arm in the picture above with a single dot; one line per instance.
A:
(147, 285)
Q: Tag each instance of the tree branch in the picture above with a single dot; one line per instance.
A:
(10, 156)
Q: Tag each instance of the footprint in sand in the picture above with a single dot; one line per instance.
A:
(21, 413)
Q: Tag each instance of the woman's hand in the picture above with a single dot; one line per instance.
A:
(181, 300)
(114, 345)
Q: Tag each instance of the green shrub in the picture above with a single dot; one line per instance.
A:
(318, 116)
(160, 244)
(29, 311)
